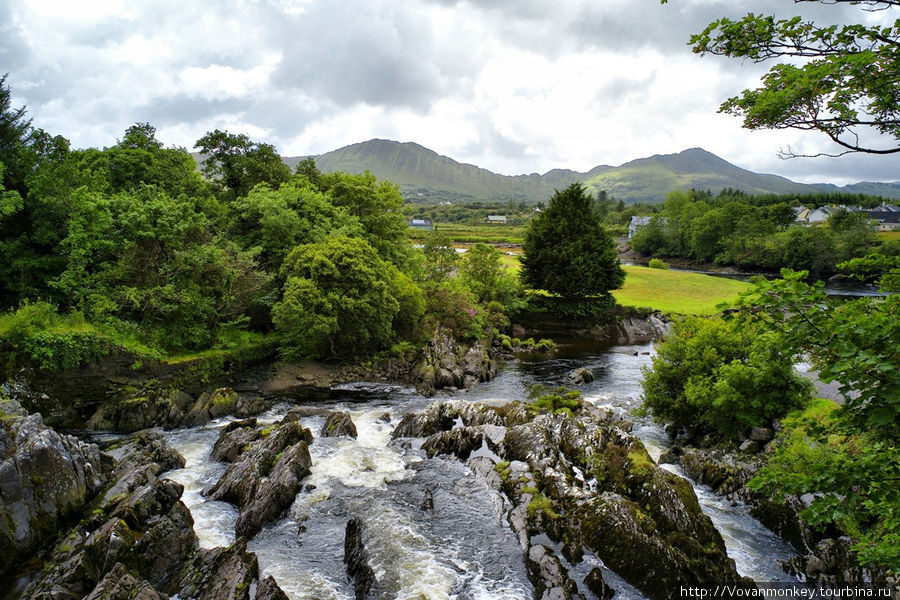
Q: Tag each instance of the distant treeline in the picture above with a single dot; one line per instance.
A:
(759, 232)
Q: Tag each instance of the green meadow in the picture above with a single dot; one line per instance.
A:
(676, 291)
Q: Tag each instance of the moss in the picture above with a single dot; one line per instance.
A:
(640, 462)
(37, 479)
(503, 469)
(265, 431)
(541, 503)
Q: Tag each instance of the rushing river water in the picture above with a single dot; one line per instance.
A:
(462, 548)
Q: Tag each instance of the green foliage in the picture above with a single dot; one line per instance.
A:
(882, 269)
(152, 259)
(452, 306)
(36, 334)
(582, 310)
(541, 504)
(852, 474)
(846, 456)
(236, 164)
(341, 299)
(483, 272)
(378, 206)
(277, 220)
(852, 342)
(559, 400)
(713, 377)
(656, 263)
(568, 252)
(440, 257)
(846, 87)
(751, 232)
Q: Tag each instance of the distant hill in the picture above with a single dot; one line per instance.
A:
(426, 176)
(870, 188)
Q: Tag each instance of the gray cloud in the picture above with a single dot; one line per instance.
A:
(184, 66)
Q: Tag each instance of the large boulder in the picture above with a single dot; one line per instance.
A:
(339, 424)
(46, 479)
(220, 574)
(264, 479)
(446, 363)
(356, 558)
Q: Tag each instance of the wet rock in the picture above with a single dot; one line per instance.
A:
(550, 578)
(264, 479)
(580, 376)
(150, 532)
(749, 447)
(356, 558)
(339, 424)
(220, 574)
(594, 582)
(384, 418)
(211, 405)
(761, 434)
(143, 448)
(443, 416)
(461, 442)
(448, 364)
(119, 584)
(45, 479)
(628, 541)
(250, 405)
(268, 590)
(235, 437)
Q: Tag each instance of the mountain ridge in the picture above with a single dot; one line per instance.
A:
(426, 176)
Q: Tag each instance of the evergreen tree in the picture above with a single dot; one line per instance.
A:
(567, 251)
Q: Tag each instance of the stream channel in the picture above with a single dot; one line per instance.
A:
(463, 549)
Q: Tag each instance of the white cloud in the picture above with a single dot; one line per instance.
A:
(515, 86)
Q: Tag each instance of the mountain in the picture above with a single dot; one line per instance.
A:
(426, 176)
(870, 188)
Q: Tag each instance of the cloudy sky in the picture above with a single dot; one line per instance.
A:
(514, 86)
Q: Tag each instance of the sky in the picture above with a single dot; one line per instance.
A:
(513, 86)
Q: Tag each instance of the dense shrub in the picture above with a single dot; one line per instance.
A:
(657, 263)
(713, 377)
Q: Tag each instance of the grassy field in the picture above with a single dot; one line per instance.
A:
(668, 291)
(676, 291)
(888, 235)
(471, 234)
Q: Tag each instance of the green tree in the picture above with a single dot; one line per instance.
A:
(567, 251)
(235, 163)
(15, 134)
(341, 299)
(840, 80)
(378, 206)
(849, 461)
(713, 377)
(277, 220)
(150, 259)
(483, 272)
(441, 258)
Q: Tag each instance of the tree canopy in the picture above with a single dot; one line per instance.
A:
(567, 250)
(840, 80)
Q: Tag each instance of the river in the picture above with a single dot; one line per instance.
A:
(463, 549)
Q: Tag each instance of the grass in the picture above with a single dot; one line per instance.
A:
(885, 236)
(676, 291)
(488, 234)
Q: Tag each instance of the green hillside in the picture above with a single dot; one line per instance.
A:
(423, 174)
(426, 176)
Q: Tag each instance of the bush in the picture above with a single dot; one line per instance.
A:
(713, 377)
(560, 400)
(658, 263)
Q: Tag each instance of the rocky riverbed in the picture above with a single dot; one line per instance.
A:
(374, 490)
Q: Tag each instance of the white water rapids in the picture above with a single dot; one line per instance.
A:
(462, 549)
